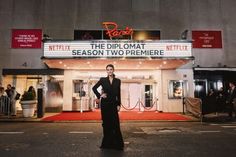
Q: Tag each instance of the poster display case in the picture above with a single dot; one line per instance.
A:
(177, 89)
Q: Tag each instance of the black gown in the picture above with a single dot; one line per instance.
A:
(112, 137)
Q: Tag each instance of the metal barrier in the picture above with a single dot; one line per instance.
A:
(5, 105)
(193, 106)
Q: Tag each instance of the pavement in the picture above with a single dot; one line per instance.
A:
(142, 139)
(19, 118)
(218, 117)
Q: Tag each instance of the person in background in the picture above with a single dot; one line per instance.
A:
(9, 95)
(110, 105)
(31, 89)
(220, 100)
(8, 91)
(211, 101)
(1, 101)
(13, 101)
(231, 95)
(2, 92)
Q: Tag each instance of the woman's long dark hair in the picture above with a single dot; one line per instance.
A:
(112, 66)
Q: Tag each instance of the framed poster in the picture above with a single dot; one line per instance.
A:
(177, 89)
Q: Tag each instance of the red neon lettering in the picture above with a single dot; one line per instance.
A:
(112, 30)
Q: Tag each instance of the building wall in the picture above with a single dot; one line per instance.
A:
(161, 82)
(175, 105)
(59, 18)
(151, 77)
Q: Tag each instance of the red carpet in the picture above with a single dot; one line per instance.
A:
(124, 116)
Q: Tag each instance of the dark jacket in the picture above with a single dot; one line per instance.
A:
(231, 95)
(112, 90)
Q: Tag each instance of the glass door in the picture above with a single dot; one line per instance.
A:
(130, 95)
(200, 90)
(148, 95)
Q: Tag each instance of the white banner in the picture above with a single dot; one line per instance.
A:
(119, 48)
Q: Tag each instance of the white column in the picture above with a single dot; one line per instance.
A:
(67, 91)
(159, 91)
(191, 82)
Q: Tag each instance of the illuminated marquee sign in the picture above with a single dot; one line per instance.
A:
(122, 48)
(112, 30)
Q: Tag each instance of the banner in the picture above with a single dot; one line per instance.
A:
(26, 38)
(207, 39)
(117, 48)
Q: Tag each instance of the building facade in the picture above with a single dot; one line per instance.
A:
(59, 19)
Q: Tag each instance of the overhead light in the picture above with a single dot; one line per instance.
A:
(137, 66)
(164, 62)
(60, 62)
(65, 65)
(141, 36)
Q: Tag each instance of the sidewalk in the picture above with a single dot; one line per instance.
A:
(19, 118)
(217, 117)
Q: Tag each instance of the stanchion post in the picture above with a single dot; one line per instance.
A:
(81, 105)
(201, 115)
(156, 104)
(183, 103)
(139, 104)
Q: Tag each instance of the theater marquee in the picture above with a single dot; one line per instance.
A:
(121, 48)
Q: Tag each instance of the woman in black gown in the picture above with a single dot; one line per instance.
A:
(110, 105)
